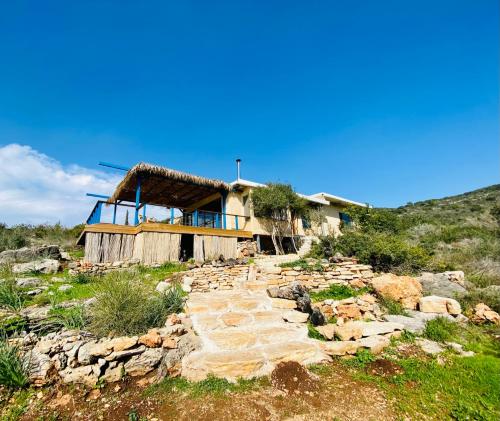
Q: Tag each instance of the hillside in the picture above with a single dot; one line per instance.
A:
(471, 208)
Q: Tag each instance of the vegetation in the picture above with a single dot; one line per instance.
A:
(313, 333)
(392, 306)
(13, 370)
(454, 233)
(361, 359)
(336, 292)
(280, 207)
(126, 306)
(23, 235)
(11, 297)
(69, 318)
(304, 265)
(440, 329)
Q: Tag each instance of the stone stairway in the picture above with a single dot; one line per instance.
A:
(244, 334)
(306, 245)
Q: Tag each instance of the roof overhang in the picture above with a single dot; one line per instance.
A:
(163, 186)
(337, 199)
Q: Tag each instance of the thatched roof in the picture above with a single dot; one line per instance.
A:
(166, 187)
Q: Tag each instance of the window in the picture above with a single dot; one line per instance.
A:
(346, 219)
(306, 222)
(246, 206)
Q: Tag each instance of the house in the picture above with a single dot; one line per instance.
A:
(157, 214)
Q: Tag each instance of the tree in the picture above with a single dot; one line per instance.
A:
(280, 207)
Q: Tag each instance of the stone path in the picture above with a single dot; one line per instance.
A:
(244, 334)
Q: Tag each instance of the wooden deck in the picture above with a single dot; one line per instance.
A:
(157, 227)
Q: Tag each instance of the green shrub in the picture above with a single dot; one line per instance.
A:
(125, 306)
(361, 359)
(313, 333)
(11, 296)
(440, 329)
(13, 370)
(12, 324)
(488, 296)
(82, 278)
(335, 292)
(69, 318)
(393, 306)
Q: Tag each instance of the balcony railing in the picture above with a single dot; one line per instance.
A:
(118, 214)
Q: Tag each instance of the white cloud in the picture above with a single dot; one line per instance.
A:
(35, 188)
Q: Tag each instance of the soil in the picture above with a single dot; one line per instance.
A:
(332, 395)
(291, 377)
(384, 368)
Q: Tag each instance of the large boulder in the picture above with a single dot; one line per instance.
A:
(27, 254)
(483, 314)
(443, 305)
(404, 289)
(447, 284)
(41, 266)
(142, 364)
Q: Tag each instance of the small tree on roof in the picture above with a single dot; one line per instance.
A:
(280, 207)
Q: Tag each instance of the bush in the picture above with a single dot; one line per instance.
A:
(69, 318)
(335, 292)
(13, 370)
(361, 359)
(440, 329)
(393, 306)
(385, 252)
(11, 296)
(125, 306)
(82, 278)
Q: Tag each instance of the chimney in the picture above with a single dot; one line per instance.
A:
(238, 164)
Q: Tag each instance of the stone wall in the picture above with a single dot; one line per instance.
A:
(72, 356)
(210, 277)
(346, 272)
(247, 248)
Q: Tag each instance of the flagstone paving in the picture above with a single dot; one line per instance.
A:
(244, 334)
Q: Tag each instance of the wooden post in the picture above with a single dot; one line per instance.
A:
(137, 200)
(144, 213)
(217, 222)
(236, 221)
(195, 218)
(223, 207)
(172, 219)
(258, 243)
(114, 214)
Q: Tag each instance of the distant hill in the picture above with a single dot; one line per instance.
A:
(471, 208)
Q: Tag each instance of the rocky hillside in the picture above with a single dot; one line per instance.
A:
(471, 208)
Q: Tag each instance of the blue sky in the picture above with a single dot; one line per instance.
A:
(382, 102)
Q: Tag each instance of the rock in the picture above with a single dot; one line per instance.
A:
(327, 331)
(282, 303)
(349, 311)
(317, 318)
(235, 319)
(410, 324)
(293, 316)
(349, 330)
(173, 319)
(273, 292)
(123, 342)
(441, 285)
(87, 375)
(298, 290)
(483, 314)
(28, 254)
(139, 365)
(273, 270)
(169, 343)
(379, 328)
(285, 293)
(28, 282)
(171, 363)
(456, 276)
(113, 374)
(340, 347)
(152, 339)
(33, 292)
(429, 347)
(443, 305)
(121, 355)
(65, 287)
(304, 303)
(39, 366)
(89, 351)
(162, 287)
(376, 344)
(43, 266)
(404, 289)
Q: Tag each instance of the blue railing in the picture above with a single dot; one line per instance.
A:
(175, 216)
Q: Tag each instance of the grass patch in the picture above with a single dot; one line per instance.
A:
(313, 333)
(440, 329)
(336, 292)
(393, 307)
(11, 296)
(161, 272)
(13, 370)
(361, 359)
(304, 265)
(212, 385)
(127, 306)
(69, 318)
